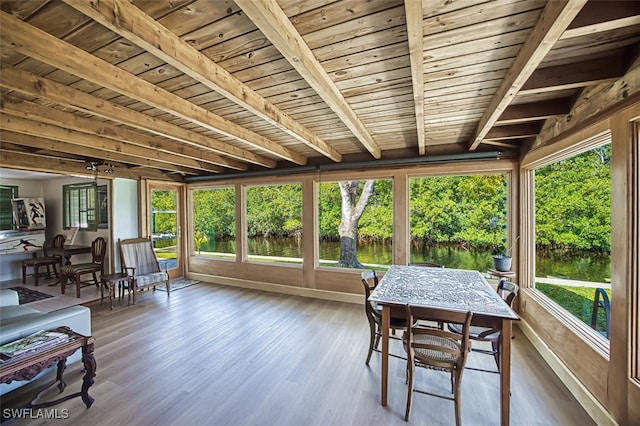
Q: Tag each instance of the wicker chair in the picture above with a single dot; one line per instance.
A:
(369, 282)
(436, 349)
(75, 272)
(38, 262)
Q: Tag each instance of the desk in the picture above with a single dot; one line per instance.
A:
(68, 251)
(29, 366)
(454, 289)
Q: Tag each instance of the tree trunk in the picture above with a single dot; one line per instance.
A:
(352, 209)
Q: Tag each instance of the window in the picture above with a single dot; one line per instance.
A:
(356, 223)
(80, 206)
(573, 234)
(214, 220)
(7, 192)
(458, 221)
(103, 207)
(274, 223)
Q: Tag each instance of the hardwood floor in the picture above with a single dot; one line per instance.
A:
(216, 355)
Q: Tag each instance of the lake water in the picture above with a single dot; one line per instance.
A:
(583, 266)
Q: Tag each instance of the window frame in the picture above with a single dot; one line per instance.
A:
(8, 207)
(86, 195)
(534, 161)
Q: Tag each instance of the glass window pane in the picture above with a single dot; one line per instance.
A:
(356, 223)
(458, 221)
(7, 192)
(214, 219)
(274, 223)
(573, 235)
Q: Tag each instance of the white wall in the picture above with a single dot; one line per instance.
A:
(51, 190)
(124, 214)
(11, 264)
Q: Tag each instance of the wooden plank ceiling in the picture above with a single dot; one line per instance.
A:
(173, 89)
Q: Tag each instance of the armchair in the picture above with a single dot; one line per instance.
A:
(139, 261)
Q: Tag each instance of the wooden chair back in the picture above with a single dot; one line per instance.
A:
(427, 264)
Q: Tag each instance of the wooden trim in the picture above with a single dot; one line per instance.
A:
(415, 36)
(596, 410)
(337, 296)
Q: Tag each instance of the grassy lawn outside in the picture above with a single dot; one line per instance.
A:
(578, 301)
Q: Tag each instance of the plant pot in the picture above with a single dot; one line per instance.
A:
(502, 263)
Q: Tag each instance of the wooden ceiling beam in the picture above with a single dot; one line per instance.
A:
(47, 146)
(128, 21)
(580, 74)
(413, 14)
(32, 85)
(534, 111)
(516, 131)
(72, 121)
(51, 164)
(92, 145)
(600, 16)
(554, 19)
(278, 29)
(37, 44)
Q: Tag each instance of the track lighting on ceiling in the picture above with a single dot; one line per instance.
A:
(96, 168)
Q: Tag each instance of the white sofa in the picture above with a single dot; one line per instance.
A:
(19, 321)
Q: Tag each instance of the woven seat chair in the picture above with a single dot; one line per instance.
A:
(374, 316)
(436, 349)
(46, 261)
(75, 272)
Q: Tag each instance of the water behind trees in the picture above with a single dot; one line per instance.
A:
(585, 266)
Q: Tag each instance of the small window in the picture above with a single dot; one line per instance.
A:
(80, 202)
(7, 192)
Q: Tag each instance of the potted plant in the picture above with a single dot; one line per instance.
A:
(501, 260)
(199, 238)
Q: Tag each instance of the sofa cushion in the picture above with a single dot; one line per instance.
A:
(15, 313)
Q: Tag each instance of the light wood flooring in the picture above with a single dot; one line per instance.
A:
(216, 355)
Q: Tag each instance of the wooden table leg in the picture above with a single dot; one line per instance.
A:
(505, 372)
(90, 366)
(386, 324)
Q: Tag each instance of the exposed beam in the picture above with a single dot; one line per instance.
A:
(52, 164)
(49, 146)
(32, 85)
(191, 157)
(413, 14)
(516, 131)
(125, 19)
(534, 111)
(555, 18)
(599, 16)
(275, 25)
(35, 43)
(579, 74)
(85, 144)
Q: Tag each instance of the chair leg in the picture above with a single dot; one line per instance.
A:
(495, 346)
(78, 282)
(372, 341)
(63, 282)
(24, 274)
(36, 274)
(456, 394)
(411, 371)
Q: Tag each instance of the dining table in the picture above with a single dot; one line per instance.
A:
(445, 288)
(66, 252)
